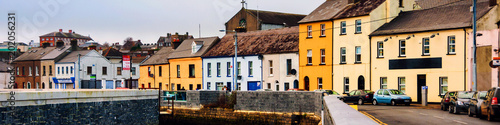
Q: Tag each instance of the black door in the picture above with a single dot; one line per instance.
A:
(361, 83)
(421, 79)
(306, 83)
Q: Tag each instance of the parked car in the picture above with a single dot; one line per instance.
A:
(358, 97)
(327, 92)
(445, 100)
(475, 103)
(390, 96)
(490, 107)
(459, 101)
(263, 90)
(296, 89)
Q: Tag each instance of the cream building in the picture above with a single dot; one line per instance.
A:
(428, 47)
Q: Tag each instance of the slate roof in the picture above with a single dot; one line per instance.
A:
(34, 54)
(279, 18)
(184, 50)
(111, 52)
(56, 53)
(138, 59)
(159, 57)
(451, 16)
(426, 4)
(66, 35)
(4, 66)
(73, 56)
(336, 9)
(283, 40)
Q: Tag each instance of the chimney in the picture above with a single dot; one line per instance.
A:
(70, 31)
(60, 30)
(168, 34)
(187, 33)
(46, 44)
(493, 3)
(74, 45)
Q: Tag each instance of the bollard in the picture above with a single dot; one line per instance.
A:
(424, 95)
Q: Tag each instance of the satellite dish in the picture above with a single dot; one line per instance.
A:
(293, 72)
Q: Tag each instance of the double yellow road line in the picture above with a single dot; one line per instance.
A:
(373, 118)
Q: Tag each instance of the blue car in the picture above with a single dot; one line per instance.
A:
(390, 96)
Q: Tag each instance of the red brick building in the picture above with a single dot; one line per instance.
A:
(66, 37)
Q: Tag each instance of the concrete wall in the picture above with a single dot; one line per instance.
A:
(279, 77)
(339, 113)
(4, 80)
(80, 107)
(269, 101)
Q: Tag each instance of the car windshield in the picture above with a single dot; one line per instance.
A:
(334, 93)
(465, 95)
(482, 94)
(368, 92)
(396, 92)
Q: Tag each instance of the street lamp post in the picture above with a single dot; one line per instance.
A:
(235, 56)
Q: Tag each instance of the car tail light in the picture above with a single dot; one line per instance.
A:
(447, 99)
(494, 101)
(367, 96)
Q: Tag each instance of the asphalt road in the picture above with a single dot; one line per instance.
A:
(417, 115)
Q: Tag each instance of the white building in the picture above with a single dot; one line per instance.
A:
(218, 72)
(121, 77)
(4, 75)
(280, 71)
(255, 50)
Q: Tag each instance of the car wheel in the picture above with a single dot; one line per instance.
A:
(375, 102)
(360, 102)
(469, 113)
(455, 111)
(489, 118)
(450, 109)
(393, 103)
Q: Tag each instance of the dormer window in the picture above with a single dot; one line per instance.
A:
(195, 46)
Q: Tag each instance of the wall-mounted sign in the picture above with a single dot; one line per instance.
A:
(63, 80)
(126, 62)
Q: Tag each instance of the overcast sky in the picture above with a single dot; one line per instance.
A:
(115, 20)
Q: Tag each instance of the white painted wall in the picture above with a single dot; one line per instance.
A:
(256, 77)
(279, 70)
(4, 80)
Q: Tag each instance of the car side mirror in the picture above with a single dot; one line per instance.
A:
(348, 94)
(441, 96)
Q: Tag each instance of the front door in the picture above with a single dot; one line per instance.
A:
(306, 83)
(361, 83)
(421, 81)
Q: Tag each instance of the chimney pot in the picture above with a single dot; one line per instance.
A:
(60, 30)
(493, 2)
(70, 31)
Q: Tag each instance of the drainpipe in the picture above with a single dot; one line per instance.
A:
(465, 59)
(370, 61)
(333, 46)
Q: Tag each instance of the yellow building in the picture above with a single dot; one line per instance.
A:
(427, 47)
(186, 63)
(328, 29)
(155, 70)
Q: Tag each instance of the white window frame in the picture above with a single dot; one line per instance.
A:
(209, 69)
(380, 49)
(358, 25)
(346, 84)
(426, 46)
(250, 68)
(320, 83)
(343, 29)
(323, 29)
(218, 69)
(228, 70)
(441, 85)
(36, 71)
(309, 31)
(402, 48)
(309, 57)
(402, 83)
(323, 57)
(357, 51)
(30, 72)
(452, 45)
(343, 58)
(382, 84)
(239, 69)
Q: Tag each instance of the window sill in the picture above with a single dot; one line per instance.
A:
(357, 62)
(218, 76)
(342, 63)
(228, 76)
(192, 77)
(402, 56)
(178, 77)
(250, 76)
(358, 33)
(322, 64)
(426, 55)
(309, 64)
(322, 36)
(451, 54)
(309, 37)
(380, 57)
(342, 34)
